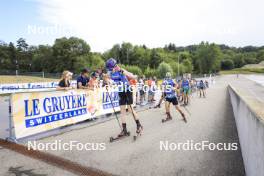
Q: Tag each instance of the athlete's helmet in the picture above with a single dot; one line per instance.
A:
(168, 75)
(110, 64)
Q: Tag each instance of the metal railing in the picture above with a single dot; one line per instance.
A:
(35, 74)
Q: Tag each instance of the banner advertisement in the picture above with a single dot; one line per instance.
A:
(29, 87)
(37, 112)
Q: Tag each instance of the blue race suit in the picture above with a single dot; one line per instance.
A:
(201, 85)
(120, 80)
(185, 86)
(169, 88)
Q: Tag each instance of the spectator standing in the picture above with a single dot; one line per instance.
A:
(141, 90)
(93, 82)
(65, 83)
(151, 86)
(83, 79)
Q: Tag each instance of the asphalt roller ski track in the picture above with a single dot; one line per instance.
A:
(211, 120)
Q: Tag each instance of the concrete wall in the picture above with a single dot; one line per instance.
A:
(249, 117)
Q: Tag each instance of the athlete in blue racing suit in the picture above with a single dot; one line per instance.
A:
(171, 97)
(120, 78)
(186, 90)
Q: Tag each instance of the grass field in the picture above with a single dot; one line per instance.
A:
(23, 79)
(243, 71)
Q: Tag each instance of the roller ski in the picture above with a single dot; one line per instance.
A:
(155, 107)
(122, 135)
(138, 132)
(168, 118)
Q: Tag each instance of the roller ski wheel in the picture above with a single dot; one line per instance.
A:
(168, 118)
(136, 136)
(165, 120)
(154, 107)
(138, 133)
(120, 136)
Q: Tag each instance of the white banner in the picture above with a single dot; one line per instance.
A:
(29, 87)
(37, 112)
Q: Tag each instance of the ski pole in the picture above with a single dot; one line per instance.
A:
(132, 111)
(113, 107)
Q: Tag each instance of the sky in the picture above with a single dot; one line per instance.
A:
(103, 23)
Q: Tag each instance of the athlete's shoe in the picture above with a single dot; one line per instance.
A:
(157, 106)
(167, 118)
(139, 129)
(123, 133)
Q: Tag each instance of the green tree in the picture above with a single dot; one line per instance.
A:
(22, 45)
(91, 61)
(114, 52)
(43, 59)
(260, 55)
(250, 57)
(5, 61)
(126, 52)
(238, 60)
(207, 58)
(150, 72)
(23, 55)
(141, 57)
(133, 69)
(163, 69)
(187, 63)
(170, 47)
(227, 64)
(66, 51)
(177, 68)
(155, 59)
(12, 52)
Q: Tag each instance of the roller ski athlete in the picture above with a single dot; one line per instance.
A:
(186, 90)
(121, 78)
(171, 98)
(202, 88)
